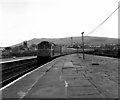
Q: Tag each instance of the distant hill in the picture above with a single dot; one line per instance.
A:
(67, 41)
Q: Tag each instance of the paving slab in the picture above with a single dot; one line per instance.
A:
(50, 86)
(82, 90)
(68, 65)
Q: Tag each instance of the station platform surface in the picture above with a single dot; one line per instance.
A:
(69, 77)
(16, 59)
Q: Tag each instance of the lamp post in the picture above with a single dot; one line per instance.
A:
(83, 45)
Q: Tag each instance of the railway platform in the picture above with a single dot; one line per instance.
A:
(68, 77)
(16, 59)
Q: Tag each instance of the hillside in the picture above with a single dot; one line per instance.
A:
(67, 41)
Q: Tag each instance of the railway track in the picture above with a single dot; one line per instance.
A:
(13, 72)
(10, 74)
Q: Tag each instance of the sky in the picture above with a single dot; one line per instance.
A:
(22, 20)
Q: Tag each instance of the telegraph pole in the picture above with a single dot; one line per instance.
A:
(71, 41)
(83, 45)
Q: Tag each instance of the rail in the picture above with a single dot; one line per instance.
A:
(14, 68)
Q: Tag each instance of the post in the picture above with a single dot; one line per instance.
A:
(83, 45)
(77, 47)
(71, 41)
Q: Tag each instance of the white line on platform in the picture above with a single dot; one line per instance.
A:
(24, 76)
(31, 87)
(18, 59)
(66, 85)
(106, 57)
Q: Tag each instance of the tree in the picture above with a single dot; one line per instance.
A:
(21, 47)
(33, 47)
(15, 49)
(8, 48)
(25, 44)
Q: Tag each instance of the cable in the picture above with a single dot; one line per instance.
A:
(104, 21)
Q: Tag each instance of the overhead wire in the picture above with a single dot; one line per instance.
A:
(103, 21)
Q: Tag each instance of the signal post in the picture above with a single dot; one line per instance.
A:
(83, 45)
